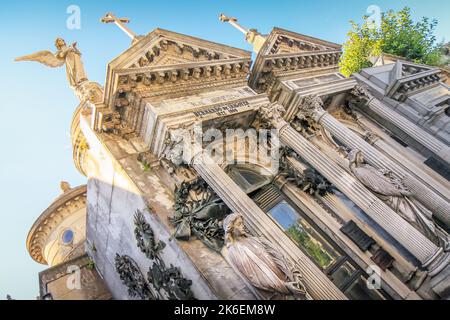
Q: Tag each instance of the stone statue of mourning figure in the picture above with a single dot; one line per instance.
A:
(398, 197)
(260, 264)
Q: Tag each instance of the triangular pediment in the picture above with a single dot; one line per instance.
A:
(282, 41)
(163, 48)
(404, 69)
(164, 59)
(406, 78)
(286, 53)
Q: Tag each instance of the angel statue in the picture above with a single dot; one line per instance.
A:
(68, 55)
(398, 197)
(261, 264)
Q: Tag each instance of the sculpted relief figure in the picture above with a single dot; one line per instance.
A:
(396, 196)
(260, 263)
(68, 55)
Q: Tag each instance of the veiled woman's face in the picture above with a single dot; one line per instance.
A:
(238, 227)
(359, 158)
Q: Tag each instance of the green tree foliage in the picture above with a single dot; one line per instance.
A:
(314, 249)
(398, 34)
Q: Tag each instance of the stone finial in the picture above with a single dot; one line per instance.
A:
(65, 186)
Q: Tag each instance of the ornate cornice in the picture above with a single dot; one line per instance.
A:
(62, 207)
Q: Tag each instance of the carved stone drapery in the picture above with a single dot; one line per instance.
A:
(416, 243)
(261, 264)
(260, 223)
(398, 197)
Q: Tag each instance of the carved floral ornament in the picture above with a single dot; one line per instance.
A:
(162, 283)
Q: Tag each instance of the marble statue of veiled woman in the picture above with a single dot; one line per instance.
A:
(262, 265)
(68, 55)
(396, 196)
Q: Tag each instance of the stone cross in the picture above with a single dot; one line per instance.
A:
(120, 22)
(233, 22)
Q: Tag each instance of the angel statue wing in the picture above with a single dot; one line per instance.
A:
(44, 57)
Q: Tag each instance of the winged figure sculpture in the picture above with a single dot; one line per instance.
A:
(68, 55)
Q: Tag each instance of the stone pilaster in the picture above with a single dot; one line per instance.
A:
(319, 286)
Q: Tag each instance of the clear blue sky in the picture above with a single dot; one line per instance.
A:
(36, 103)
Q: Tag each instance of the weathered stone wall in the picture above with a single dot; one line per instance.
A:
(73, 280)
(118, 186)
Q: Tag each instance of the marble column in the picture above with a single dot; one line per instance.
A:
(412, 239)
(437, 147)
(318, 284)
(439, 206)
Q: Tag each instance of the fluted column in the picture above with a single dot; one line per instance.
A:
(434, 202)
(318, 284)
(437, 147)
(412, 239)
(438, 205)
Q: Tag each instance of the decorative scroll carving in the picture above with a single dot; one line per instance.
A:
(309, 180)
(261, 264)
(132, 278)
(175, 145)
(398, 197)
(199, 212)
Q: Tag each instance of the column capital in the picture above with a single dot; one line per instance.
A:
(181, 145)
(272, 114)
(311, 106)
(361, 92)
